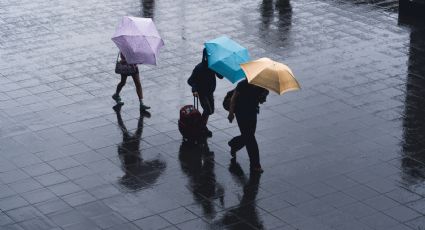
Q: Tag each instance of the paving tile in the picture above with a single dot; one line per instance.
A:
(24, 213)
(108, 220)
(38, 195)
(51, 179)
(38, 223)
(402, 195)
(153, 223)
(38, 169)
(379, 221)
(402, 213)
(5, 220)
(381, 203)
(52, 206)
(25, 185)
(63, 163)
(417, 223)
(360, 192)
(342, 153)
(12, 202)
(338, 199)
(67, 218)
(64, 188)
(13, 176)
(358, 210)
(178, 215)
(78, 198)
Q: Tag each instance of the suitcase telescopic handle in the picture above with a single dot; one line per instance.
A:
(196, 105)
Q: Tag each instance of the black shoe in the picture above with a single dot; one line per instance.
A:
(117, 107)
(145, 113)
(117, 99)
(232, 150)
(144, 107)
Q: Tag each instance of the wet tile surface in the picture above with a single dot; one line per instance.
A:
(345, 152)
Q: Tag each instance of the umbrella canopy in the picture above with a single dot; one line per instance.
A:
(138, 40)
(225, 57)
(271, 75)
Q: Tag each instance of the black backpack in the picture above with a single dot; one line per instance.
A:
(227, 98)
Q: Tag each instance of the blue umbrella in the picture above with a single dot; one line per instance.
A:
(225, 57)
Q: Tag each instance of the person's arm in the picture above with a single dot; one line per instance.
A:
(219, 75)
(192, 82)
(231, 115)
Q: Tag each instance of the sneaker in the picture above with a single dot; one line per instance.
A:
(117, 99)
(145, 113)
(117, 108)
(144, 107)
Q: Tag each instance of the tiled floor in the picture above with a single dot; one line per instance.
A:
(345, 152)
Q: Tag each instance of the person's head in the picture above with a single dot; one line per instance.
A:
(204, 56)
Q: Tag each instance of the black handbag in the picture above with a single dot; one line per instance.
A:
(124, 68)
(227, 99)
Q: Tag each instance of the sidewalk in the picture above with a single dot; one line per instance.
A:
(345, 152)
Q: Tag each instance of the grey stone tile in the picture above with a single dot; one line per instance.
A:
(381, 203)
(153, 223)
(24, 213)
(402, 213)
(178, 215)
(12, 202)
(78, 198)
(379, 221)
(108, 220)
(417, 223)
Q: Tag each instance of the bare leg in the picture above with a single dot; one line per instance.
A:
(121, 84)
(136, 80)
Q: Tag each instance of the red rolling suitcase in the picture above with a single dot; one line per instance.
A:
(191, 125)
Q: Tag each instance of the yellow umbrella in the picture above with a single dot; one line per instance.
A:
(271, 75)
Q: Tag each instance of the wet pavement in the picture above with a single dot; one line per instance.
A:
(345, 152)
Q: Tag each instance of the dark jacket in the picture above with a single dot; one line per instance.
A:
(248, 99)
(203, 79)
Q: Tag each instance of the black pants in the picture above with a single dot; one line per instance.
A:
(207, 104)
(247, 126)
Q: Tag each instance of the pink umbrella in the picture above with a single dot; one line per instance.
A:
(138, 40)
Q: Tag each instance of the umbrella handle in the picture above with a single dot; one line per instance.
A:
(197, 103)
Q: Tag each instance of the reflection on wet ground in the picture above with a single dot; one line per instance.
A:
(197, 162)
(244, 215)
(345, 152)
(138, 173)
(413, 146)
(148, 8)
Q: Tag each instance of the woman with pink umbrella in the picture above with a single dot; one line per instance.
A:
(139, 42)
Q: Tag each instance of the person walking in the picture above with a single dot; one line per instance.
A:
(203, 83)
(136, 80)
(245, 105)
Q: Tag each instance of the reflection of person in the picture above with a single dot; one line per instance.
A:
(138, 173)
(148, 7)
(136, 79)
(197, 162)
(246, 210)
(280, 33)
(266, 10)
(413, 144)
(245, 104)
(203, 85)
